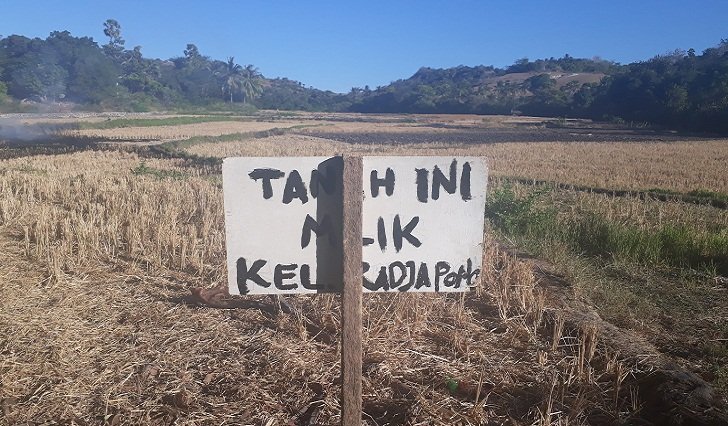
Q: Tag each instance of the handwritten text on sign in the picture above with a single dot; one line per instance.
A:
(422, 223)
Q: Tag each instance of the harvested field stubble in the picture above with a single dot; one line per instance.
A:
(94, 209)
(183, 131)
(100, 250)
(95, 328)
(677, 166)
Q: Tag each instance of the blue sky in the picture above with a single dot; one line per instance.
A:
(336, 45)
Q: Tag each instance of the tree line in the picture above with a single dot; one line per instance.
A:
(681, 89)
(76, 69)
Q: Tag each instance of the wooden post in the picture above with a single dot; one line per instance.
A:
(351, 357)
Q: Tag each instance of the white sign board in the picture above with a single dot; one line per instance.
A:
(283, 224)
(422, 223)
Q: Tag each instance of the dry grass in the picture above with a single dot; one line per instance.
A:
(94, 328)
(346, 123)
(87, 207)
(371, 122)
(281, 145)
(77, 117)
(678, 166)
(97, 260)
(185, 131)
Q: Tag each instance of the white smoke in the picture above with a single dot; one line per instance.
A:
(14, 129)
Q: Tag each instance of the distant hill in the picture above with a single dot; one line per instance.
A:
(481, 89)
(282, 93)
(680, 90)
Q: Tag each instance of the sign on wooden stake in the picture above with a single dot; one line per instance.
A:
(384, 224)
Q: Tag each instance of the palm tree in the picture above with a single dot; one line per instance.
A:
(231, 79)
(251, 82)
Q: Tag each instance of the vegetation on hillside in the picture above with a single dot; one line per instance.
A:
(480, 89)
(681, 89)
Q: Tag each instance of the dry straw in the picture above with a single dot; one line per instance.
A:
(95, 329)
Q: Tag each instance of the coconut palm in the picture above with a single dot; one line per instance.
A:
(231, 78)
(251, 82)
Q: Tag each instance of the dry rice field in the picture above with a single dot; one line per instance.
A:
(677, 166)
(166, 133)
(101, 247)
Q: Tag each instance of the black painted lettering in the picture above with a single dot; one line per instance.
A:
(465, 182)
(467, 274)
(405, 233)
(471, 274)
(422, 184)
(305, 274)
(393, 267)
(267, 175)
(366, 282)
(404, 276)
(284, 272)
(366, 241)
(310, 224)
(295, 188)
(441, 269)
(439, 180)
(381, 234)
(411, 274)
(423, 277)
(244, 274)
(452, 279)
(387, 182)
(382, 281)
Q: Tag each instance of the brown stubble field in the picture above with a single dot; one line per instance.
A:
(101, 248)
(678, 166)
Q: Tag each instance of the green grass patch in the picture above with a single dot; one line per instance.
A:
(142, 169)
(594, 235)
(217, 108)
(674, 245)
(519, 216)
